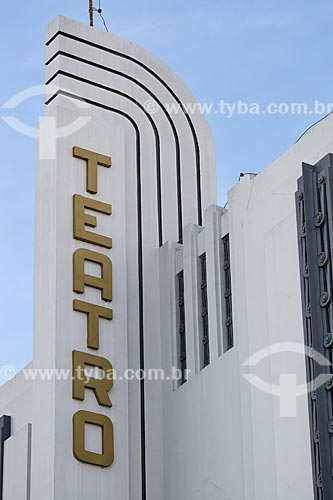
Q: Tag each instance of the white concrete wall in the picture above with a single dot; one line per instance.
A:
(223, 438)
(202, 418)
(17, 466)
(16, 400)
(267, 311)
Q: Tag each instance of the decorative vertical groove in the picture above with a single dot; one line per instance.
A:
(5, 433)
(181, 340)
(228, 334)
(205, 357)
(315, 241)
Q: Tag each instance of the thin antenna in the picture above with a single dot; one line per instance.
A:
(91, 12)
(93, 9)
(99, 11)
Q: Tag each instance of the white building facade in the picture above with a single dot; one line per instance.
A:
(137, 269)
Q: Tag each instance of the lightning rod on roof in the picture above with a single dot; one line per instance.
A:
(93, 9)
(91, 13)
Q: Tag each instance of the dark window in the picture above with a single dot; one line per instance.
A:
(204, 327)
(181, 331)
(5, 432)
(228, 332)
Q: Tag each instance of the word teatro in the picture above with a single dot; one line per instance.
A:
(101, 386)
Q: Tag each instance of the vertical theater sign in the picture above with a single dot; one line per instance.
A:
(101, 385)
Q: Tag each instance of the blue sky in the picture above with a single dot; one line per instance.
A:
(249, 50)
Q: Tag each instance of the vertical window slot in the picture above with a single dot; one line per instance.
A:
(181, 330)
(204, 324)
